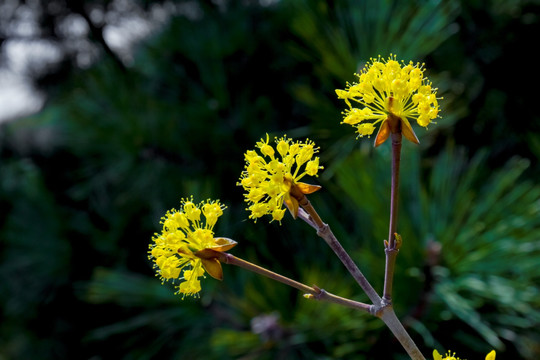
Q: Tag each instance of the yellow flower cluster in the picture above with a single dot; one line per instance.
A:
(452, 356)
(270, 173)
(184, 233)
(386, 87)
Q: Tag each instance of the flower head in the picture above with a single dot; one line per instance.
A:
(187, 232)
(452, 356)
(271, 176)
(390, 93)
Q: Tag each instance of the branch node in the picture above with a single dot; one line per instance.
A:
(225, 258)
(323, 230)
(321, 294)
(386, 302)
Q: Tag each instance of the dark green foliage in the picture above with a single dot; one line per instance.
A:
(84, 183)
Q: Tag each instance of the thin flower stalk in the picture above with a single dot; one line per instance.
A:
(310, 292)
(392, 245)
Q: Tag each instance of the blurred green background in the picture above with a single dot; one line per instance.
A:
(124, 134)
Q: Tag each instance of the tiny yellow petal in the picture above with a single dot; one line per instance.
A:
(278, 214)
(283, 147)
(313, 167)
(342, 94)
(365, 129)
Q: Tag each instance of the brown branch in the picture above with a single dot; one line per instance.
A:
(391, 246)
(313, 292)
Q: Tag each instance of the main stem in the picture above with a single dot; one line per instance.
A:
(392, 247)
(391, 320)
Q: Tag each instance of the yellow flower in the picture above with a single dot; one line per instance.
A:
(175, 251)
(271, 176)
(448, 356)
(452, 356)
(390, 93)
